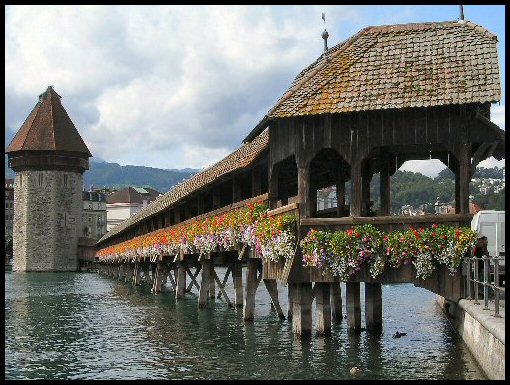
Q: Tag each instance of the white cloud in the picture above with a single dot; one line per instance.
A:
(169, 86)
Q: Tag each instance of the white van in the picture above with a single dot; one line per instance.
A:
(491, 223)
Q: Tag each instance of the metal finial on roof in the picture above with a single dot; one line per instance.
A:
(461, 20)
(325, 33)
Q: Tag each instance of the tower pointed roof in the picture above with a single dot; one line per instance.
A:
(48, 128)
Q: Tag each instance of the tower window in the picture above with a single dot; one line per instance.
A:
(65, 180)
(40, 178)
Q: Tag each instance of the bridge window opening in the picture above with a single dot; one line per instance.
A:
(244, 184)
(264, 182)
(182, 213)
(284, 184)
(207, 201)
(225, 192)
(422, 187)
(327, 172)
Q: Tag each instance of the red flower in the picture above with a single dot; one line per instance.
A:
(434, 226)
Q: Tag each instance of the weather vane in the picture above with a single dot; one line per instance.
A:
(325, 33)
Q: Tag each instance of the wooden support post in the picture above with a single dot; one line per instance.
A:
(181, 280)
(385, 186)
(323, 306)
(304, 190)
(251, 289)
(212, 284)
(158, 278)
(187, 210)
(366, 177)
(290, 303)
(236, 189)
(273, 187)
(171, 276)
(340, 192)
(356, 189)
(237, 278)
(204, 286)
(272, 289)
(373, 306)
(352, 296)
(302, 310)
(177, 215)
(256, 186)
(216, 198)
(464, 178)
(336, 302)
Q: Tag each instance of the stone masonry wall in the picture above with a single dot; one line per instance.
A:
(47, 220)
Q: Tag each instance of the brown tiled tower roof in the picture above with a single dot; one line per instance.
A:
(48, 128)
(131, 195)
(240, 158)
(399, 66)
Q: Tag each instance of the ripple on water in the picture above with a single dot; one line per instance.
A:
(84, 326)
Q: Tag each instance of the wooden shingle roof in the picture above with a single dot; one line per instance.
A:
(241, 158)
(48, 128)
(398, 66)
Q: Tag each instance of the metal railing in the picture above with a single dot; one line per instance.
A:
(476, 278)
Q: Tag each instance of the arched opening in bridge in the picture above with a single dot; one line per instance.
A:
(283, 183)
(328, 175)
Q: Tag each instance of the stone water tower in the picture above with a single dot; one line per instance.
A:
(49, 158)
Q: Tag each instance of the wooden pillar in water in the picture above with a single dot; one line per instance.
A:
(181, 280)
(373, 306)
(323, 306)
(302, 309)
(251, 289)
(352, 297)
(237, 278)
(158, 278)
(336, 302)
(204, 286)
(290, 300)
(212, 283)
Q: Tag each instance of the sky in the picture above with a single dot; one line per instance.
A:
(181, 86)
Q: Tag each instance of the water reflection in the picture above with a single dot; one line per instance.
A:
(85, 326)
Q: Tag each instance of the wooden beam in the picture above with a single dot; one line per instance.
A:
(225, 278)
(272, 289)
(323, 307)
(464, 178)
(221, 287)
(304, 190)
(336, 302)
(193, 278)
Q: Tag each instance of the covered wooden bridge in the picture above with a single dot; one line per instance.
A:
(387, 95)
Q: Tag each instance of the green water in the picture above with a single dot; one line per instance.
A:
(86, 326)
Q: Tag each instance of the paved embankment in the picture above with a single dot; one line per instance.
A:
(483, 333)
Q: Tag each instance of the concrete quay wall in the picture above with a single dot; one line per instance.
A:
(483, 333)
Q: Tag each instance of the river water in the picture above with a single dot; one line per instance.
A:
(86, 326)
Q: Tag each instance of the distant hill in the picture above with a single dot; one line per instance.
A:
(102, 173)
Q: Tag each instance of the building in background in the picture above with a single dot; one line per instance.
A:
(93, 215)
(9, 206)
(122, 204)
